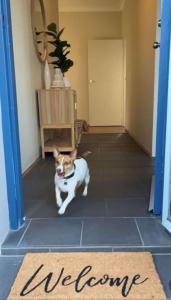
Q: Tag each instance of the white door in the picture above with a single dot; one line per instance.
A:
(105, 72)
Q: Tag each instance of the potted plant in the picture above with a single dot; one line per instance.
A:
(60, 52)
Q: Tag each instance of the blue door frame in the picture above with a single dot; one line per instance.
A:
(9, 119)
(162, 104)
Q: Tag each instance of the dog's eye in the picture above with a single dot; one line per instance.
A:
(66, 163)
(57, 163)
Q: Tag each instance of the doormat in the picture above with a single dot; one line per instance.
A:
(87, 276)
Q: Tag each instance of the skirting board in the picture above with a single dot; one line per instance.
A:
(139, 144)
(31, 167)
(151, 202)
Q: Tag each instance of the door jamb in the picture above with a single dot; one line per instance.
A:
(167, 169)
(10, 119)
(156, 78)
(162, 106)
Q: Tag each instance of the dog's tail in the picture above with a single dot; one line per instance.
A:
(85, 154)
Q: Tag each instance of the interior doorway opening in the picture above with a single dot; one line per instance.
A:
(113, 87)
(120, 164)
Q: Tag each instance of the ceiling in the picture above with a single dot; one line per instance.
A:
(90, 5)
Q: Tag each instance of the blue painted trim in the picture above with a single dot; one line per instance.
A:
(162, 105)
(10, 119)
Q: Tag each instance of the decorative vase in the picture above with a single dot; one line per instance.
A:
(58, 80)
(47, 77)
(67, 82)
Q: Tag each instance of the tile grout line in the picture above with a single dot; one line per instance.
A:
(81, 237)
(139, 232)
(20, 240)
(103, 217)
(91, 246)
(11, 256)
(161, 254)
(106, 207)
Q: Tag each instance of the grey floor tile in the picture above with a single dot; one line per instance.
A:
(158, 249)
(45, 208)
(153, 233)
(14, 236)
(127, 207)
(96, 173)
(52, 232)
(127, 189)
(36, 190)
(86, 207)
(109, 231)
(122, 156)
(96, 190)
(126, 163)
(140, 173)
(9, 267)
(163, 265)
(94, 148)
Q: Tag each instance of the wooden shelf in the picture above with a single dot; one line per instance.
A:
(57, 114)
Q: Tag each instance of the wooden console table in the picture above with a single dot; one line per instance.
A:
(57, 115)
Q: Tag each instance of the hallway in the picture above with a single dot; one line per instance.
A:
(113, 217)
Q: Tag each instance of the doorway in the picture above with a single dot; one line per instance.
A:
(116, 157)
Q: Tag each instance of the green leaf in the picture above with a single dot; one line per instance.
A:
(64, 44)
(52, 54)
(52, 27)
(60, 32)
(51, 34)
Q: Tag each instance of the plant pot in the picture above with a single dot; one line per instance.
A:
(67, 82)
(47, 77)
(58, 80)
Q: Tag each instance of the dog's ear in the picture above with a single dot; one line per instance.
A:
(73, 154)
(55, 152)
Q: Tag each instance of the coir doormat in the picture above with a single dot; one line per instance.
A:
(88, 276)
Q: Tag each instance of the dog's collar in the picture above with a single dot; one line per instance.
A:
(71, 175)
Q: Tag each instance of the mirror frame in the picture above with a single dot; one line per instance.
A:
(44, 56)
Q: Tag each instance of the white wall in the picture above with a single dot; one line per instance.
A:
(4, 216)
(139, 31)
(79, 28)
(28, 80)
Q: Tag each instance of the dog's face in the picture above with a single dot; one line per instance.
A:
(64, 163)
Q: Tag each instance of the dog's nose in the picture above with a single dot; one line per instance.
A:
(59, 170)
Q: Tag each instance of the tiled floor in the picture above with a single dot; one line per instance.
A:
(9, 266)
(113, 216)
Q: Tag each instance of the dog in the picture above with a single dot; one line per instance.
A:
(71, 172)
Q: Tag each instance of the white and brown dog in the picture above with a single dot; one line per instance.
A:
(71, 172)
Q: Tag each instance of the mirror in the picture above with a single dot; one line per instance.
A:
(39, 26)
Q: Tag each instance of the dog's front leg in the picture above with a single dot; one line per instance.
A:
(58, 196)
(65, 203)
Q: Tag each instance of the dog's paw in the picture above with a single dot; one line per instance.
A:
(61, 211)
(85, 193)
